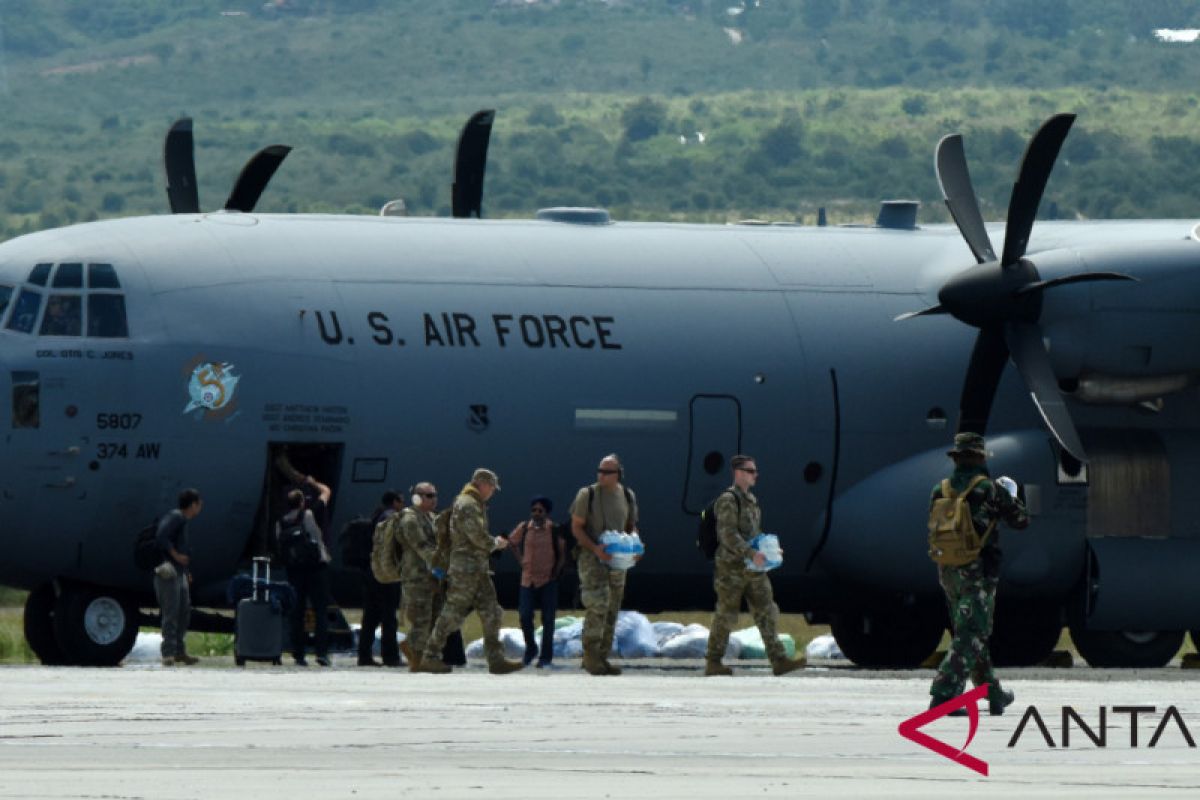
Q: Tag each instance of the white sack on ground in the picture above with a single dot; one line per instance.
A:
(824, 647)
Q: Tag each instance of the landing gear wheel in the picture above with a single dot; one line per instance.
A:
(883, 639)
(1023, 633)
(39, 626)
(1127, 648)
(94, 627)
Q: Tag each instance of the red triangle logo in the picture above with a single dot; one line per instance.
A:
(910, 729)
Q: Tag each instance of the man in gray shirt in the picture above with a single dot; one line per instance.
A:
(173, 578)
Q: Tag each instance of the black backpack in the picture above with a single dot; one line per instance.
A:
(296, 547)
(146, 553)
(356, 540)
(706, 535)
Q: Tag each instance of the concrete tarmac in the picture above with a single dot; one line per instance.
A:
(658, 731)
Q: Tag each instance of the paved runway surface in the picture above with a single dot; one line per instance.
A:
(658, 731)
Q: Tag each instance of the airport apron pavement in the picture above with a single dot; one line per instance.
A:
(657, 731)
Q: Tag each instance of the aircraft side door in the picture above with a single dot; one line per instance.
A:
(715, 434)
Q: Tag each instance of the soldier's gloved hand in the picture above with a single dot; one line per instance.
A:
(439, 573)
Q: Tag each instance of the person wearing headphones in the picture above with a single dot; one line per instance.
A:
(606, 505)
(417, 569)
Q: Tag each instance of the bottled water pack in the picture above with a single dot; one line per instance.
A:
(623, 547)
(768, 545)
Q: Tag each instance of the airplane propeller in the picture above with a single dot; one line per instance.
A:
(470, 163)
(1002, 297)
(179, 158)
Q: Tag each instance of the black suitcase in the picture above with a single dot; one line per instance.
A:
(259, 622)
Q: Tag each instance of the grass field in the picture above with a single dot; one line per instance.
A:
(14, 650)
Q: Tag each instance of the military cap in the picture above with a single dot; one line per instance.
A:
(968, 444)
(483, 475)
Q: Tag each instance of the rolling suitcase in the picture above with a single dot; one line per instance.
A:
(259, 622)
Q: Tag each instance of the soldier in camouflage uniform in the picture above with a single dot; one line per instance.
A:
(471, 586)
(605, 505)
(739, 519)
(417, 576)
(971, 588)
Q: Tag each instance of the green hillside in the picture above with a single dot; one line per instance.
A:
(817, 103)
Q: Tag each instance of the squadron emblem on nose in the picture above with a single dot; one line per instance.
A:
(211, 386)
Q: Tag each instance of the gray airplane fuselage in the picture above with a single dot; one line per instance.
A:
(423, 348)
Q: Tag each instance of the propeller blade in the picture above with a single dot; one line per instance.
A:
(1025, 342)
(924, 312)
(953, 176)
(470, 163)
(182, 194)
(255, 176)
(1036, 164)
(1083, 277)
(988, 360)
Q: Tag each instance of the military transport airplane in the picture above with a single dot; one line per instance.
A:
(145, 355)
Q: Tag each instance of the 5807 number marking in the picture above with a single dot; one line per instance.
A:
(118, 422)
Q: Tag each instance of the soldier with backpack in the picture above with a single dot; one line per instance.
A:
(418, 570)
(736, 519)
(964, 510)
(605, 505)
(380, 600)
(471, 587)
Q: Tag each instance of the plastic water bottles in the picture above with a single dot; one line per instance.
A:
(768, 545)
(624, 548)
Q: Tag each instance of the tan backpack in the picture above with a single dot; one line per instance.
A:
(385, 550)
(953, 540)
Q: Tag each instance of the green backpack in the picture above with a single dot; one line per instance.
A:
(386, 551)
(953, 540)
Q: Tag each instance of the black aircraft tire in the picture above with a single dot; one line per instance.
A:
(39, 626)
(885, 639)
(1023, 634)
(1124, 649)
(94, 627)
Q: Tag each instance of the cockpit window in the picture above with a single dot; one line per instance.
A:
(64, 316)
(25, 311)
(39, 274)
(5, 296)
(106, 316)
(69, 276)
(102, 276)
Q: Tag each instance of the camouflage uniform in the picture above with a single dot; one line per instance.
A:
(600, 588)
(971, 589)
(420, 587)
(470, 580)
(733, 580)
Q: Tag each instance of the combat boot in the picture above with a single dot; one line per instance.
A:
(714, 667)
(406, 651)
(958, 712)
(785, 665)
(593, 665)
(434, 665)
(502, 666)
(414, 663)
(999, 700)
(610, 668)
